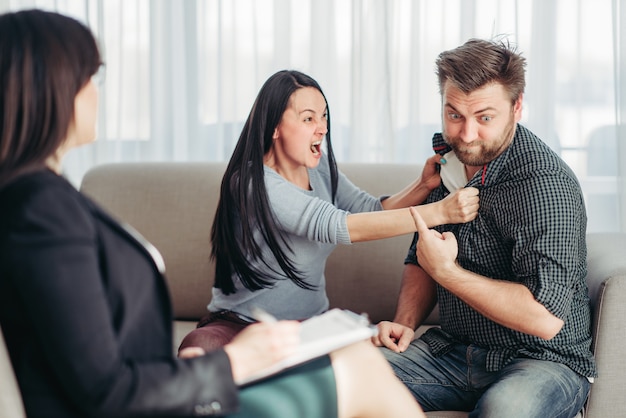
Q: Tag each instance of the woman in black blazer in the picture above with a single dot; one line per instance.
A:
(83, 304)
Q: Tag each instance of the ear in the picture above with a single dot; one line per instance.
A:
(517, 107)
(275, 134)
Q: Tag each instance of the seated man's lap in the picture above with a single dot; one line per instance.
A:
(437, 383)
(534, 388)
(458, 380)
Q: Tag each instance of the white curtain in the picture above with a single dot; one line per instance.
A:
(182, 76)
(619, 72)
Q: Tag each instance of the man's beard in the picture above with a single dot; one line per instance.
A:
(478, 153)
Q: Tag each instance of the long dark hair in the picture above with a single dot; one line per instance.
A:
(45, 59)
(244, 205)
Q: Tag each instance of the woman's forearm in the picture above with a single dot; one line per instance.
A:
(459, 207)
(368, 226)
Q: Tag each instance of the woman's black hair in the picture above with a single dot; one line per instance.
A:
(244, 205)
(45, 60)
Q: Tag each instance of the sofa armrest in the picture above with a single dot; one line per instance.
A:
(11, 405)
(606, 279)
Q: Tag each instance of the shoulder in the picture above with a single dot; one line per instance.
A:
(320, 176)
(44, 202)
(283, 196)
(530, 151)
(275, 183)
(531, 158)
(540, 184)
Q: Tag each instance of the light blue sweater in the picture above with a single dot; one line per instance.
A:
(313, 227)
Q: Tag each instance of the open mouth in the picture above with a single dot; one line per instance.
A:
(316, 147)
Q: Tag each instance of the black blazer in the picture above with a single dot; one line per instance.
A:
(86, 313)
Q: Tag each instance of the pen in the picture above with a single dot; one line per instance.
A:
(262, 316)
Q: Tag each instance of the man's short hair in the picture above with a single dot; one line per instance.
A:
(479, 62)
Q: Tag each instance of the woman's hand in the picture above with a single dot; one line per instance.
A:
(430, 173)
(261, 345)
(460, 206)
(418, 190)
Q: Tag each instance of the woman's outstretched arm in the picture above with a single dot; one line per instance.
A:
(458, 207)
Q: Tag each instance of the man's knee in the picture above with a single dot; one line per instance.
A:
(534, 388)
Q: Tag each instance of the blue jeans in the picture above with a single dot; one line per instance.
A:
(458, 381)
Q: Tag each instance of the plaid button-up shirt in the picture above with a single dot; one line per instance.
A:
(530, 229)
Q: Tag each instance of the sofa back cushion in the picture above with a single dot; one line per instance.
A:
(366, 276)
(173, 206)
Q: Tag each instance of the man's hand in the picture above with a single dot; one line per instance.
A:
(394, 336)
(436, 252)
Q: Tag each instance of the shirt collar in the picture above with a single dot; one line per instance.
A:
(491, 170)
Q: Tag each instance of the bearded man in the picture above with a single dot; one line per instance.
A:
(514, 308)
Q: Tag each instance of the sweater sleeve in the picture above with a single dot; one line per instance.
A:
(349, 197)
(355, 200)
(312, 214)
(306, 213)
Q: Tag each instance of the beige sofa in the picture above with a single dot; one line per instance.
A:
(172, 205)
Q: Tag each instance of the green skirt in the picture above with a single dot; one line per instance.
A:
(305, 391)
